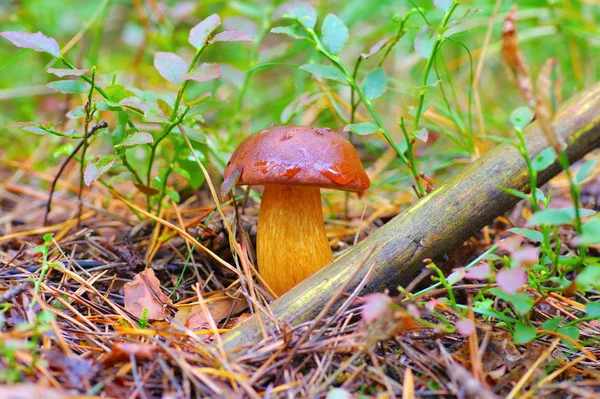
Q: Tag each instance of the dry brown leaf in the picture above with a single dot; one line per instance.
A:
(33, 391)
(517, 69)
(545, 91)
(121, 352)
(144, 293)
(219, 307)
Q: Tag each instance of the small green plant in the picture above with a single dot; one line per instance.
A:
(332, 40)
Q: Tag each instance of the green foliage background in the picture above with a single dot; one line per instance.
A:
(112, 32)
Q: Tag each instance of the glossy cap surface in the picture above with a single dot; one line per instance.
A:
(299, 155)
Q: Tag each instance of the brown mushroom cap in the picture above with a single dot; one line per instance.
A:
(299, 155)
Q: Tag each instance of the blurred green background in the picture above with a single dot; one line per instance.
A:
(120, 37)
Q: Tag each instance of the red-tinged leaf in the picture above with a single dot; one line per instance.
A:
(526, 256)
(137, 138)
(144, 293)
(219, 309)
(200, 33)
(465, 327)
(231, 36)
(242, 24)
(203, 73)
(425, 41)
(134, 104)
(121, 352)
(376, 305)
(511, 244)
(376, 47)
(35, 41)
(97, 167)
(422, 135)
(66, 72)
(170, 66)
(482, 271)
(231, 180)
(517, 69)
(511, 280)
(200, 98)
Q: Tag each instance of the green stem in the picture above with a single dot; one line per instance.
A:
(174, 120)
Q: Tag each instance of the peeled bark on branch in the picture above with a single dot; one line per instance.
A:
(452, 213)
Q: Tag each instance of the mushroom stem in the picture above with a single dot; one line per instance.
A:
(291, 239)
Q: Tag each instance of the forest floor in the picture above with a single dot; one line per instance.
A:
(66, 329)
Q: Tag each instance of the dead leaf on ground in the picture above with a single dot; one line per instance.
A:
(219, 307)
(121, 352)
(33, 391)
(144, 293)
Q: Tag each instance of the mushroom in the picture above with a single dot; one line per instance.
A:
(294, 163)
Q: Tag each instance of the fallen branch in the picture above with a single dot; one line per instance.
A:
(435, 225)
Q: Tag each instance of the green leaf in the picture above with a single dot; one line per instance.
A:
(210, 104)
(513, 192)
(521, 117)
(362, 129)
(585, 171)
(184, 173)
(324, 71)
(117, 92)
(194, 172)
(174, 195)
(306, 15)
(199, 34)
(374, 84)
(593, 309)
(557, 217)
(34, 41)
(137, 138)
(552, 324)
(69, 86)
(571, 332)
(443, 5)
(589, 277)
(294, 31)
(543, 160)
(76, 113)
(97, 167)
(590, 233)
(425, 41)
(523, 333)
(533, 235)
(335, 34)
(521, 302)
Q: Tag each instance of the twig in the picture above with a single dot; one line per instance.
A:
(93, 130)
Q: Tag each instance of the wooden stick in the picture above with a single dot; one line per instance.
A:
(435, 225)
